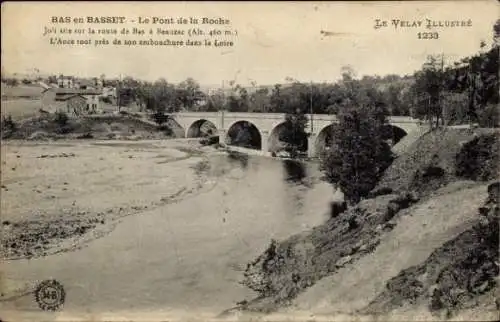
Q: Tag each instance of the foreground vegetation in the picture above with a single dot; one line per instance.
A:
(427, 171)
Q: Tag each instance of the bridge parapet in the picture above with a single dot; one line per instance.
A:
(267, 123)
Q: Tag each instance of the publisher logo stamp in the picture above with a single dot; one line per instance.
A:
(50, 295)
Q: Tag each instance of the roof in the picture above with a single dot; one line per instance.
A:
(62, 91)
(85, 82)
(65, 97)
(43, 85)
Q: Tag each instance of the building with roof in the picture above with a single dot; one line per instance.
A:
(71, 100)
(65, 82)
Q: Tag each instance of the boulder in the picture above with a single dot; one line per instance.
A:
(337, 207)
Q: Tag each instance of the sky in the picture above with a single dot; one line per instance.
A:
(274, 40)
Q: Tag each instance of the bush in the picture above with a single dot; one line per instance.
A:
(8, 126)
(380, 192)
(336, 208)
(494, 192)
(106, 99)
(479, 159)
(87, 135)
(61, 118)
(360, 154)
(160, 118)
(209, 140)
(165, 129)
(489, 116)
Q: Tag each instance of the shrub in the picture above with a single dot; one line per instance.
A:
(494, 191)
(61, 118)
(479, 159)
(360, 154)
(160, 118)
(8, 126)
(489, 116)
(380, 192)
(165, 129)
(337, 207)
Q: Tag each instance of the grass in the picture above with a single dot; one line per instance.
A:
(21, 108)
(438, 148)
(21, 91)
(355, 232)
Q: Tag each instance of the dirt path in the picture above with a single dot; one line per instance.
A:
(427, 227)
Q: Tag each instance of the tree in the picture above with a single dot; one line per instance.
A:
(496, 34)
(52, 79)
(161, 98)
(215, 102)
(455, 107)
(294, 134)
(260, 101)
(276, 99)
(429, 82)
(12, 82)
(189, 93)
(358, 154)
(295, 101)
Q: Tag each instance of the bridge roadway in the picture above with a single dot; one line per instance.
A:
(268, 126)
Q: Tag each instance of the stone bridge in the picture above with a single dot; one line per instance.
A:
(265, 127)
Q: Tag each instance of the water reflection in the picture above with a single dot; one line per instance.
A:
(238, 158)
(295, 171)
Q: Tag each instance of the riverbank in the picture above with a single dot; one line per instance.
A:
(424, 200)
(200, 215)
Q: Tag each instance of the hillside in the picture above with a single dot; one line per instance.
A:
(423, 202)
(54, 126)
(430, 162)
(21, 92)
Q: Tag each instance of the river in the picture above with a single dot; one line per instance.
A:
(186, 257)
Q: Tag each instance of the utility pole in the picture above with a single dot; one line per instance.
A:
(440, 113)
(311, 108)
(118, 90)
(223, 103)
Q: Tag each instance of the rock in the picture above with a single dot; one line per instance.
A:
(363, 248)
(343, 261)
(392, 209)
(337, 207)
(484, 211)
(380, 192)
(390, 225)
(353, 223)
(357, 247)
(494, 192)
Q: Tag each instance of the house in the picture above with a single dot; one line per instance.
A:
(76, 104)
(65, 82)
(85, 84)
(72, 100)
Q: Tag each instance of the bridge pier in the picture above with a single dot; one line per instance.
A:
(311, 145)
(222, 136)
(264, 142)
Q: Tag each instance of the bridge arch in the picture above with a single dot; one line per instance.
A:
(394, 134)
(176, 128)
(277, 143)
(245, 134)
(201, 128)
(324, 139)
